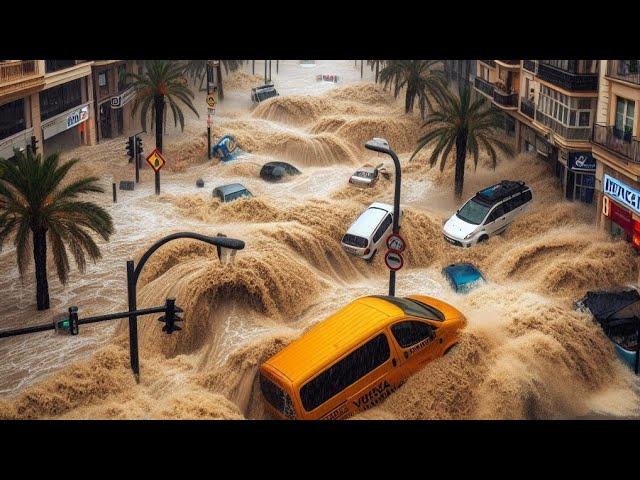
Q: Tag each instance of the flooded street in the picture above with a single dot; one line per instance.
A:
(525, 354)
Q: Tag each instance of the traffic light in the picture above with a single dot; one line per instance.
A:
(130, 148)
(139, 147)
(171, 316)
(34, 144)
(69, 325)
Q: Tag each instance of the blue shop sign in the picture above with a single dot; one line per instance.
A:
(582, 161)
(621, 193)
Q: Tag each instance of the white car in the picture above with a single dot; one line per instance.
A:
(487, 213)
(367, 175)
(369, 232)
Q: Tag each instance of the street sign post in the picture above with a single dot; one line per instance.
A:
(396, 243)
(211, 100)
(157, 161)
(393, 260)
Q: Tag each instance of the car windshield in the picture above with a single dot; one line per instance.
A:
(364, 174)
(473, 212)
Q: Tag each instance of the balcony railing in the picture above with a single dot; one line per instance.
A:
(55, 65)
(627, 70)
(568, 133)
(489, 62)
(612, 138)
(15, 71)
(530, 65)
(510, 62)
(505, 99)
(568, 80)
(528, 108)
(484, 86)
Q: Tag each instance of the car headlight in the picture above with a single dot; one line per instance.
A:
(469, 236)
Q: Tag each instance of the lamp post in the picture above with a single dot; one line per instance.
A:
(382, 146)
(133, 275)
(208, 114)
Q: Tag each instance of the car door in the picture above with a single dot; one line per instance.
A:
(381, 232)
(416, 342)
(496, 220)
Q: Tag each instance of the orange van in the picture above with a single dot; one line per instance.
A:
(358, 356)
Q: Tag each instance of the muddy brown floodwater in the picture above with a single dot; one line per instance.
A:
(525, 354)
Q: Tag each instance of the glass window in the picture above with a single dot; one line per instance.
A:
(585, 118)
(625, 110)
(411, 332)
(496, 213)
(12, 118)
(414, 307)
(355, 241)
(382, 228)
(60, 99)
(346, 372)
(473, 212)
(277, 397)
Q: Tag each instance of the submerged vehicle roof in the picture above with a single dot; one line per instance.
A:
(462, 273)
(499, 191)
(230, 188)
(605, 304)
(284, 165)
(338, 334)
(369, 219)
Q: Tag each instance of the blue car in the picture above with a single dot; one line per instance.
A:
(463, 277)
(226, 149)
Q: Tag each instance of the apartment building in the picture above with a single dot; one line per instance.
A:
(113, 96)
(46, 101)
(460, 71)
(549, 108)
(616, 149)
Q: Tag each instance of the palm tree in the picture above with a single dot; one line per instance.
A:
(419, 79)
(376, 64)
(229, 66)
(162, 82)
(33, 201)
(468, 123)
(197, 70)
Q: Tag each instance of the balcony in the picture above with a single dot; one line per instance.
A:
(17, 71)
(528, 108)
(530, 65)
(568, 133)
(511, 62)
(625, 70)
(613, 139)
(504, 99)
(491, 63)
(569, 80)
(484, 86)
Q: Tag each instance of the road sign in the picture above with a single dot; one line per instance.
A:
(211, 100)
(396, 243)
(156, 160)
(393, 260)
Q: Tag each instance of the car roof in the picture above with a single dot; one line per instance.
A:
(462, 273)
(333, 337)
(369, 219)
(279, 164)
(500, 191)
(230, 188)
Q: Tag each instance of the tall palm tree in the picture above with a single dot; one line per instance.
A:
(33, 201)
(467, 122)
(229, 66)
(419, 79)
(162, 82)
(376, 64)
(197, 70)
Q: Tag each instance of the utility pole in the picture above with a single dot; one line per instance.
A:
(265, 71)
(208, 114)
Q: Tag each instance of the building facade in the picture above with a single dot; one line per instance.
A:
(114, 97)
(48, 103)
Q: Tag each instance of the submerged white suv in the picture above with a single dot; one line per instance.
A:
(369, 232)
(487, 213)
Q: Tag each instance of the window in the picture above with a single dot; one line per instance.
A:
(473, 212)
(496, 213)
(346, 372)
(355, 240)
(60, 99)
(568, 111)
(526, 196)
(103, 83)
(414, 307)
(625, 110)
(123, 81)
(277, 397)
(512, 203)
(382, 228)
(411, 332)
(12, 118)
(584, 187)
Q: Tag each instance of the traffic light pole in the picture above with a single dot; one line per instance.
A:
(158, 182)
(137, 158)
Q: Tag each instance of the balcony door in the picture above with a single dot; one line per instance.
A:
(625, 111)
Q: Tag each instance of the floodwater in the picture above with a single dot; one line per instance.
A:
(525, 353)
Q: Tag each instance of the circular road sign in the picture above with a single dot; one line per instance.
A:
(396, 243)
(393, 260)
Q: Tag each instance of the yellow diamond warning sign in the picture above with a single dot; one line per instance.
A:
(156, 160)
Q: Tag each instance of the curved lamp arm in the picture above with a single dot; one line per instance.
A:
(224, 242)
(378, 146)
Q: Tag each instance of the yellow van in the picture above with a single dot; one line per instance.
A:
(358, 356)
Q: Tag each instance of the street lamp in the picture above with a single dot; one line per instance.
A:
(133, 274)
(382, 146)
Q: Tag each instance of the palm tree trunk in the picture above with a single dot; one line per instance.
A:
(159, 106)
(461, 155)
(219, 79)
(408, 101)
(361, 68)
(40, 259)
(377, 70)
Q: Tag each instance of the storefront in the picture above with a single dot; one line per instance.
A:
(67, 129)
(621, 206)
(580, 180)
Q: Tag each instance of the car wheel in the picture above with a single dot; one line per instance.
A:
(370, 259)
(483, 238)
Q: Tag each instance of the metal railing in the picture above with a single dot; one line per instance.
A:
(627, 70)
(505, 99)
(13, 71)
(528, 108)
(530, 65)
(492, 63)
(569, 133)
(613, 139)
(567, 79)
(510, 62)
(485, 87)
